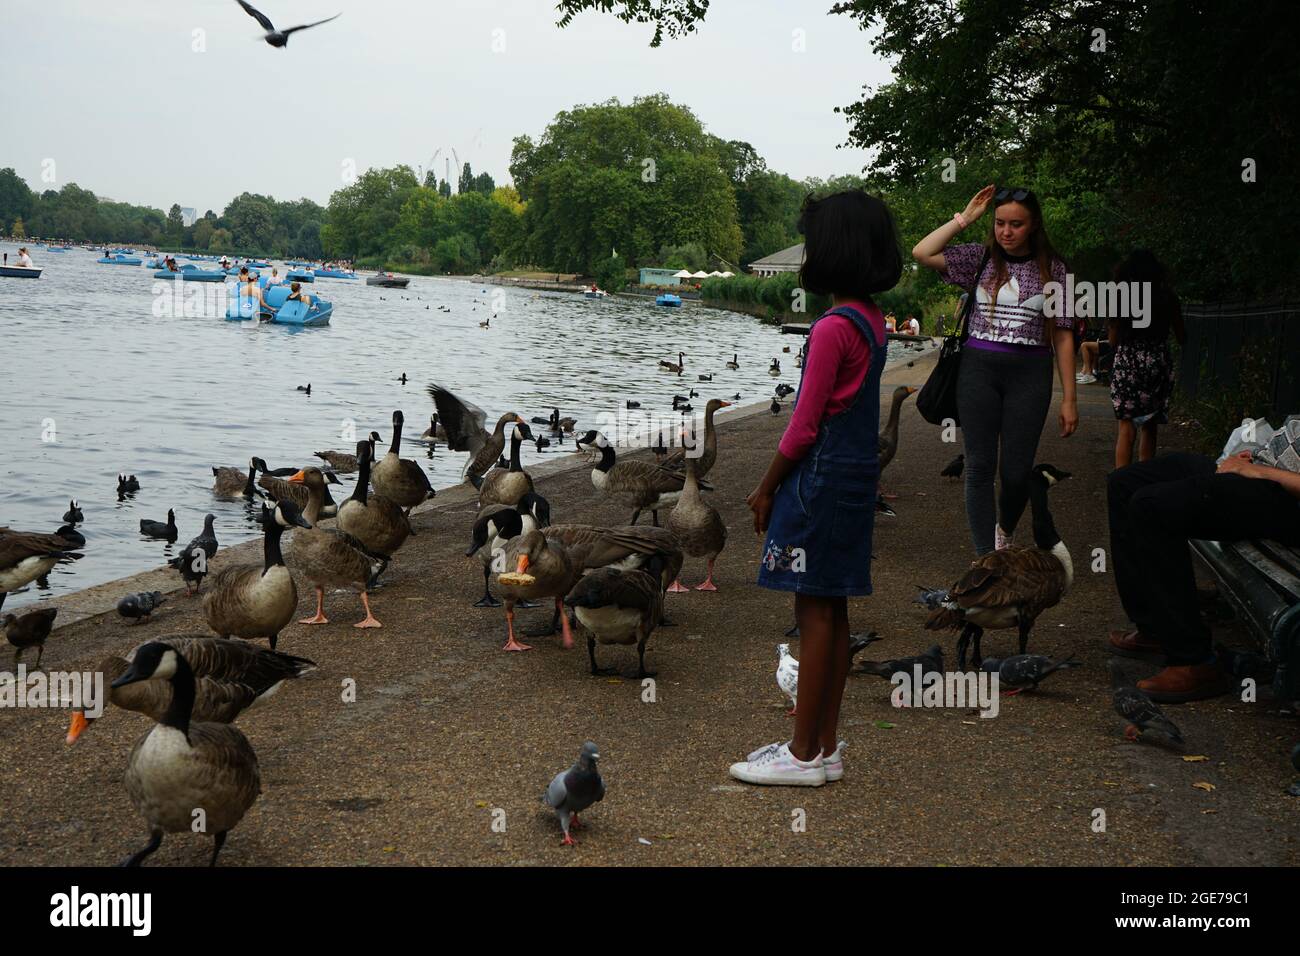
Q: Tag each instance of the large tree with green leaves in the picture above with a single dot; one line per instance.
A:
(1171, 121)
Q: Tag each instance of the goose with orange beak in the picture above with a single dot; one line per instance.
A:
(542, 569)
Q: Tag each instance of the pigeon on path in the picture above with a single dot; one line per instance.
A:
(787, 676)
(1025, 671)
(931, 662)
(192, 563)
(574, 790)
(1141, 712)
(138, 606)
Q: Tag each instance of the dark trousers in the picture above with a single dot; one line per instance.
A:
(1156, 507)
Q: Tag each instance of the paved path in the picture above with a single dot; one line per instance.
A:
(446, 728)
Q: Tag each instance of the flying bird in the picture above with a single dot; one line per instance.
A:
(278, 38)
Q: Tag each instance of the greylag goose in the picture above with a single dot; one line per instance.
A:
(709, 453)
(230, 677)
(698, 526)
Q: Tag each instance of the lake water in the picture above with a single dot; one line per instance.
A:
(97, 378)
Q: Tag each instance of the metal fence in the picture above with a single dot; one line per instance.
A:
(1226, 340)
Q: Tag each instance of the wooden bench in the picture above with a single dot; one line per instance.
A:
(1261, 579)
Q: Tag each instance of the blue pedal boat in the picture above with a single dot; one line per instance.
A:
(668, 299)
(295, 313)
(335, 274)
(118, 260)
(300, 275)
(258, 265)
(192, 273)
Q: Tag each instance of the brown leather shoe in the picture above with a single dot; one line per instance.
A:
(1179, 684)
(1133, 644)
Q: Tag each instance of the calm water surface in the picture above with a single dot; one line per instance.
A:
(86, 359)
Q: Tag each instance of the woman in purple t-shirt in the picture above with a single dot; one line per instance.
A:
(1005, 388)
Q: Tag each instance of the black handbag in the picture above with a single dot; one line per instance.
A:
(937, 400)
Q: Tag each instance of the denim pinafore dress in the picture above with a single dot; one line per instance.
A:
(823, 515)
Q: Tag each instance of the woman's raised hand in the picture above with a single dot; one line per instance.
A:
(979, 204)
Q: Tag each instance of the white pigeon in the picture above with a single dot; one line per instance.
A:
(787, 676)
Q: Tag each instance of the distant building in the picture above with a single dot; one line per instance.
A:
(660, 277)
(188, 216)
(787, 260)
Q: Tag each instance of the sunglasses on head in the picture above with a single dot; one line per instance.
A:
(1012, 193)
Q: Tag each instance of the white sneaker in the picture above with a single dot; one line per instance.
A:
(1085, 379)
(1001, 540)
(776, 766)
(833, 764)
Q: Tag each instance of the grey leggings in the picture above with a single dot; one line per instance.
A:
(1006, 396)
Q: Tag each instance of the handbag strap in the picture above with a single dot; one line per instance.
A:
(963, 324)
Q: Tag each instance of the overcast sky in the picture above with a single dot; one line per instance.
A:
(115, 95)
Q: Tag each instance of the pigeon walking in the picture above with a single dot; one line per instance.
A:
(279, 38)
(930, 598)
(787, 677)
(931, 662)
(1025, 671)
(574, 790)
(1139, 710)
(138, 606)
(860, 642)
(192, 563)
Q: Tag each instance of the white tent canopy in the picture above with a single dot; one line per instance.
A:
(683, 274)
(699, 275)
(715, 273)
(727, 275)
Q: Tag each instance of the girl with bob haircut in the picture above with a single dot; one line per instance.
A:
(1004, 390)
(816, 503)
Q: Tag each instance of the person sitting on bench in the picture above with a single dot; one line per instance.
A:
(1156, 508)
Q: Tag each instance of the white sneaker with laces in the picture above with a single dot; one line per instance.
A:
(776, 766)
(1086, 379)
(1001, 540)
(833, 764)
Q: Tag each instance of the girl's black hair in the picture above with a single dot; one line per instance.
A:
(850, 245)
(1142, 266)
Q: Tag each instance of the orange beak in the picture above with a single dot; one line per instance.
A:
(726, 404)
(911, 390)
(298, 478)
(79, 724)
(523, 564)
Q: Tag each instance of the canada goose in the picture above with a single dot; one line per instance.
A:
(486, 323)
(305, 388)
(733, 364)
(434, 432)
(674, 366)
(464, 424)
(400, 480)
(328, 556)
(1011, 587)
(27, 556)
(538, 568)
(274, 472)
(281, 489)
(374, 520)
(29, 630)
(566, 426)
(343, 462)
(178, 765)
(709, 454)
(698, 527)
(889, 437)
(230, 677)
(250, 600)
(627, 547)
(640, 484)
(774, 369)
(232, 483)
(73, 515)
(189, 563)
(619, 607)
(495, 526)
(798, 359)
(507, 487)
(161, 530)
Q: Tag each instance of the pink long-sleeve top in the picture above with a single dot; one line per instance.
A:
(838, 358)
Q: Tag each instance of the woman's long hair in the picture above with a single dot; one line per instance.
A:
(1040, 247)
